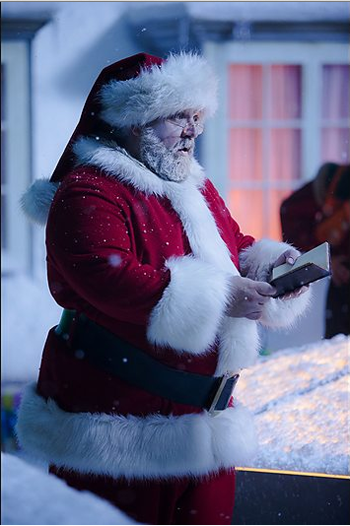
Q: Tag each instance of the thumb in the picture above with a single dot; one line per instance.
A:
(265, 289)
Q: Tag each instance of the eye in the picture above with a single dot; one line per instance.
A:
(195, 118)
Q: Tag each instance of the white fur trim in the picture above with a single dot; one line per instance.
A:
(256, 263)
(199, 225)
(238, 337)
(279, 313)
(188, 316)
(149, 447)
(117, 162)
(37, 199)
(183, 82)
(238, 345)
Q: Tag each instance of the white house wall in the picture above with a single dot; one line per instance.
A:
(73, 32)
(56, 51)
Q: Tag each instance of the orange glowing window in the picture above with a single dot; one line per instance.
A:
(264, 143)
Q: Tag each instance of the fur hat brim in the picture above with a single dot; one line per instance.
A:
(182, 82)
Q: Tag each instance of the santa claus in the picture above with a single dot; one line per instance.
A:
(161, 293)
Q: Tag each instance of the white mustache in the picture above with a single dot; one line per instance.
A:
(187, 144)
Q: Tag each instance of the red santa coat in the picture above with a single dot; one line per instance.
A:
(150, 260)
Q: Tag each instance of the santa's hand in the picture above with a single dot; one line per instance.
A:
(248, 298)
(289, 256)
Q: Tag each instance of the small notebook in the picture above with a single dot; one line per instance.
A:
(311, 266)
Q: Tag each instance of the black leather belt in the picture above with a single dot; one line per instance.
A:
(118, 357)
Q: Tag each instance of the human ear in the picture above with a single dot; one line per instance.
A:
(136, 130)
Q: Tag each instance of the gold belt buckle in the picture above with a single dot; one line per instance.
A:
(212, 411)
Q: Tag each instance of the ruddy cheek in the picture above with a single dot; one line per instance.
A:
(165, 133)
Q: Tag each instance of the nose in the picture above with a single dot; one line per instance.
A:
(189, 131)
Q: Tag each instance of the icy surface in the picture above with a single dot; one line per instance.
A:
(31, 496)
(300, 398)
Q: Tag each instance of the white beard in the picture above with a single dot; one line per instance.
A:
(167, 163)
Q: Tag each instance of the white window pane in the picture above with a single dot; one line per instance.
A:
(285, 101)
(4, 223)
(335, 92)
(285, 155)
(3, 159)
(16, 153)
(245, 154)
(335, 145)
(245, 92)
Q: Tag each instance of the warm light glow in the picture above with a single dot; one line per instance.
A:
(245, 155)
(264, 143)
(245, 92)
(247, 208)
(285, 102)
(284, 155)
(275, 199)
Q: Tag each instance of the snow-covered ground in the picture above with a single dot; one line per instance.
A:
(31, 496)
(300, 398)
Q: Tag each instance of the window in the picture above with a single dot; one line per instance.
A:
(284, 110)
(335, 112)
(15, 158)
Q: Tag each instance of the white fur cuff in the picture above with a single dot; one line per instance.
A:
(256, 263)
(155, 446)
(280, 313)
(188, 316)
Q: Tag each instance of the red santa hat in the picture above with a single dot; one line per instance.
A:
(139, 89)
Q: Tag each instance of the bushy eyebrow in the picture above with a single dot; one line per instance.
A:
(180, 115)
(184, 115)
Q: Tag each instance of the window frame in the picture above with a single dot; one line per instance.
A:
(311, 56)
(17, 151)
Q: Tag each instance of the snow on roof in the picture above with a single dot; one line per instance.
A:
(270, 11)
(246, 11)
(300, 400)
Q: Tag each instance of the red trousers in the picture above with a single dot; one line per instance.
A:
(205, 500)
